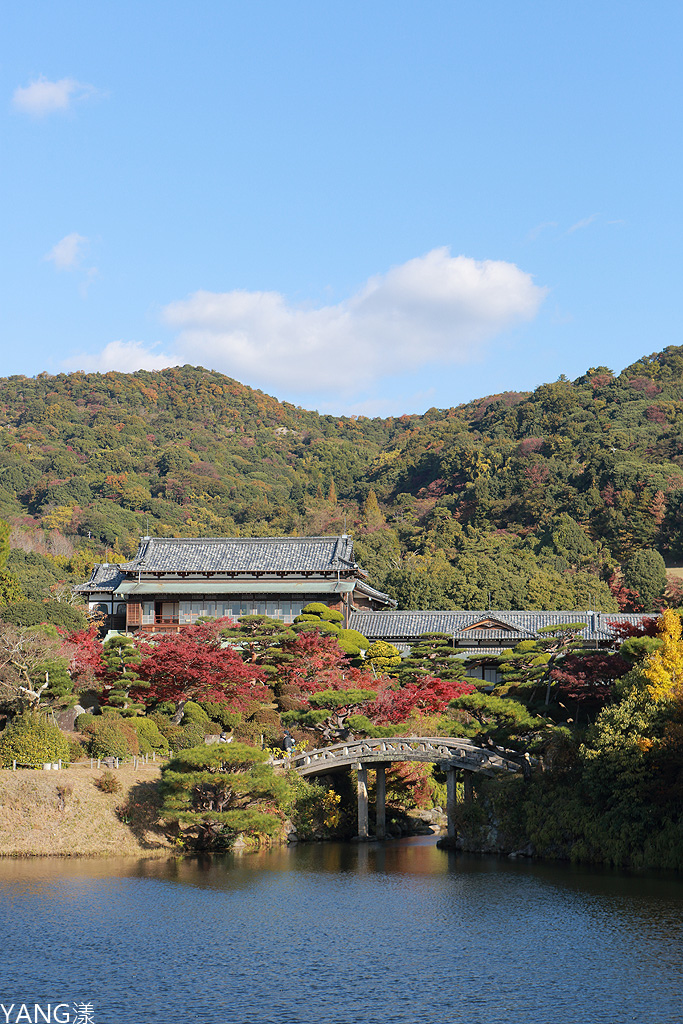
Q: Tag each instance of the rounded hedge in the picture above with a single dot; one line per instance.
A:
(352, 642)
(322, 611)
(308, 623)
(193, 712)
(109, 735)
(149, 737)
(32, 741)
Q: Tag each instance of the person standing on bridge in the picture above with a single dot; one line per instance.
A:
(289, 743)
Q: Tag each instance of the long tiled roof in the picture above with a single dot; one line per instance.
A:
(103, 577)
(388, 625)
(243, 554)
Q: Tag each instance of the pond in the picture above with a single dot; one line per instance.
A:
(340, 934)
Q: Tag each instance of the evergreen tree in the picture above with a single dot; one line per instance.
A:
(373, 517)
(213, 793)
(645, 572)
(121, 657)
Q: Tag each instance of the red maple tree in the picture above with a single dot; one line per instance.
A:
(84, 651)
(429, 697)
(197, 665)
(314, 662)
(588, 677)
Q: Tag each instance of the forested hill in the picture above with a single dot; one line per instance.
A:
(516, 500)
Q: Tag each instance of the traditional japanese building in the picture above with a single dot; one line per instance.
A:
(485, 635)
(172, 582)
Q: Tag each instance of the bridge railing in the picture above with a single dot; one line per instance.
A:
(433, 748)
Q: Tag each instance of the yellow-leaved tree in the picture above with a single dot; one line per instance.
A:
(663, 669)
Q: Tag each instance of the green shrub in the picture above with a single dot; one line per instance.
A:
(111, 736)
(221, 713)
(320, 610)
(77, 750)
(165, 707)
(193, 712)
(32, 740)
(314, 809)
(308, 623)
(352, 642)
(163, 723)
(182, 737)
(149, 737)
(85, 720)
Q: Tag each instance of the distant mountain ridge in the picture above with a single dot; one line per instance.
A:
(521, 497)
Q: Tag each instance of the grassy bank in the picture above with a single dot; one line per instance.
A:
(64, 814)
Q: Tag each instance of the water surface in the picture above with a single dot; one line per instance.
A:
(339, 934)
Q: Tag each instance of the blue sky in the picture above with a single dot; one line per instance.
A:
(363, 207)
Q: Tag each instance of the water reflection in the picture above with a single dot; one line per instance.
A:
(344, 934)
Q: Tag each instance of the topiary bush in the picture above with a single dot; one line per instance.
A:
(384, 657)
(85, 720)
(352, 642)
(32, 740)
(60, 682)
(150, 738)
(182, 737)
(110, 736)
(193, 712)
(321, 611)
(308, 623)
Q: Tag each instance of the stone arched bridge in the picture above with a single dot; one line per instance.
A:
(450, 754)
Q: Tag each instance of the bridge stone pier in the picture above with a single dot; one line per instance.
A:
(452, 755)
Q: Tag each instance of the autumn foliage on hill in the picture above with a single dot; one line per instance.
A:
(519, 500)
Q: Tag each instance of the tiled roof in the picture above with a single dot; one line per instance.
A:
(103, 577)
(243, 554)
(464, 635)
(388, 625)
(365, 588)
(478, 652)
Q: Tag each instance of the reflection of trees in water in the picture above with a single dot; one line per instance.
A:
(646, 911)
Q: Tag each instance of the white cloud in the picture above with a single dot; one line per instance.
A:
(582, 223)
(125, 356)
(41, 96)
(434, 310)
(68, 252)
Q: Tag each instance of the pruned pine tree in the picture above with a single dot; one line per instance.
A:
(211, 794)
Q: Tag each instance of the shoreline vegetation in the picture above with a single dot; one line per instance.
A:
(66, 814)
(604, 790)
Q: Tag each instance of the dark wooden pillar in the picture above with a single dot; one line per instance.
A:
(362, 801)
(451, 800)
